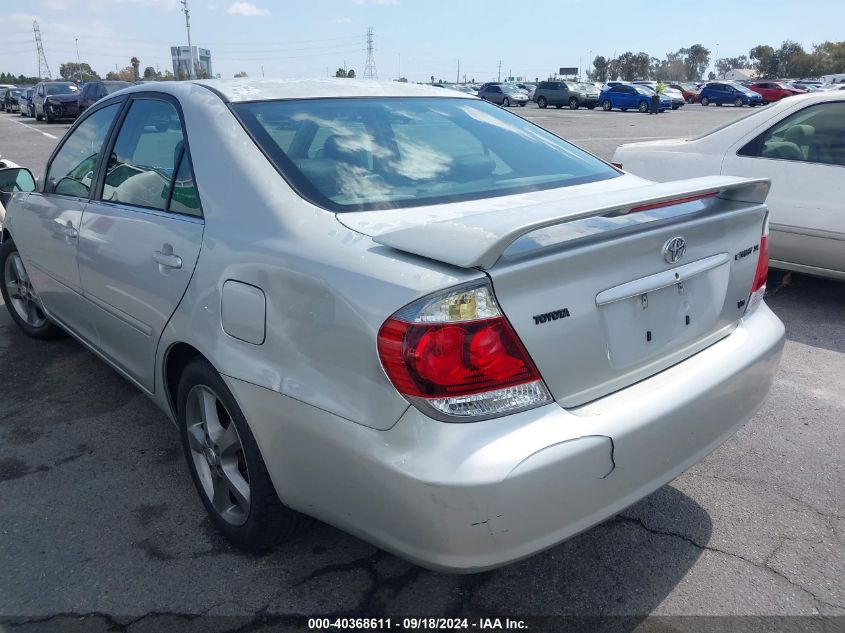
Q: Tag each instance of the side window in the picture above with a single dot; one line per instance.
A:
(812, 135)
(72, 171)
(142, 163)
(184, 198)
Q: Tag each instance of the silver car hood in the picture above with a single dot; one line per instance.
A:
(476, 234)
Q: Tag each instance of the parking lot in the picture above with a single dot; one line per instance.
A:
(102, 528)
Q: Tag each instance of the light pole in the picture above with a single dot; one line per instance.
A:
(78, 64)
(188, 28)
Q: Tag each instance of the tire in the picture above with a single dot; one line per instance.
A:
(573, 104)
(606, 105)
(506, 102)
(38, 117)
(642, 106)
(705, 101)
(542, 103)
(24, 306)
(738, 102)
(255, 524)
(47, 116)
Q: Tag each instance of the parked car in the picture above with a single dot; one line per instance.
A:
(688, 90)
(50, 89)
(631, 97)
(722, 92)
(800, 144)
(10, 97)
(93, 91)
(772, 91)
(676, 96)
(411, 377)
(503, 94)
(566, 93)
(25, 103)
(61, 106)
(529, 89)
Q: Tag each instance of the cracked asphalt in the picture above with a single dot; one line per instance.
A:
(101, 528)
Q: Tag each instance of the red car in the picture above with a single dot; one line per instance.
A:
(688, 89)
(774, 91)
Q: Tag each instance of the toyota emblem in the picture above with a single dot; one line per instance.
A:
(674, 249)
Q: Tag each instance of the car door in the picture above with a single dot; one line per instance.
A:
(46, 228)
(804, 155)
(141, 235)
(627, 96)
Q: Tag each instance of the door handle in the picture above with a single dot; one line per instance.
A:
(167, 259)
(66, 228)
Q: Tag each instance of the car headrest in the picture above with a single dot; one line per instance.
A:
(340, 148)
(798, 133)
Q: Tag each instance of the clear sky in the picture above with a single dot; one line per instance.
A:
(304, 38)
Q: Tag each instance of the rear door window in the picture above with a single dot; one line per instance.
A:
(143, 161)
(814, 135)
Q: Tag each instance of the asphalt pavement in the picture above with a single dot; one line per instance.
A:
(101, 528)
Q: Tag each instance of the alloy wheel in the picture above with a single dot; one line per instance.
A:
(23, 297)
(218, 455)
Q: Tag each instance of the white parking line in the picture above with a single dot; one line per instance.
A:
(47, 134)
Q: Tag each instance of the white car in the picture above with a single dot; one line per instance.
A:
(799, 143)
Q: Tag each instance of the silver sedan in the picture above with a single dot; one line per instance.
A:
(398, 309)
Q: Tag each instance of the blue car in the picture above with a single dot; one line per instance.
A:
(721, 92)
(631, 96)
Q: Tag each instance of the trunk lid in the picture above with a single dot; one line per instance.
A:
(596, 286)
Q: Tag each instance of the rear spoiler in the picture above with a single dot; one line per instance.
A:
(478, 241)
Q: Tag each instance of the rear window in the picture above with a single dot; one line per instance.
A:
(383, 153)
(60, 89)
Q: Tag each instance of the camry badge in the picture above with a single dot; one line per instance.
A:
(674, 249)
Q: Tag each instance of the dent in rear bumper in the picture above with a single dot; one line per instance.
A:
(470, 497)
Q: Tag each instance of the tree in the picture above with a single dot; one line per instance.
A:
(403, 80)
(73, 71)
(600, 68)
(136, 63)
(167, 76)
(350, 74)
(240, 74)
(696, 61)
(150, 74)
(765, 61)
(341, 72)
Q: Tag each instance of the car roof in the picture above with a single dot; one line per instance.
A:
(241, 90)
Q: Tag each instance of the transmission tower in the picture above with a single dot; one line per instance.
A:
(370, 66)
(42, 58)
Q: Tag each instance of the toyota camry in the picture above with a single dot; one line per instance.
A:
(402, 310)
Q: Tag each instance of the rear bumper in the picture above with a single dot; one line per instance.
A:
(470, 497)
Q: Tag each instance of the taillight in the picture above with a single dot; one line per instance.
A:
(455, 356)
(758, 288)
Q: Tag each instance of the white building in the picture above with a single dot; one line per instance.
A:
(741, 74)
(833, 79)
(181, 56)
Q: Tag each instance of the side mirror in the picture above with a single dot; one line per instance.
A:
(13, 179)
